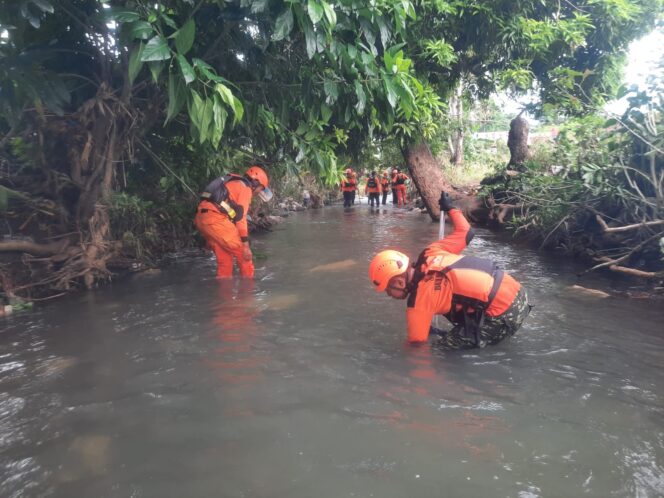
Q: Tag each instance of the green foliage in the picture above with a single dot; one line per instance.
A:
(612, 168)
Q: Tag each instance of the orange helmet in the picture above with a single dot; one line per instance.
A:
(257, 173)
(385, 265)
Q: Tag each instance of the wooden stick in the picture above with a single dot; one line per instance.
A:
(626, 228)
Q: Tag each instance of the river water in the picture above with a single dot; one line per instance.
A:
(300, 384)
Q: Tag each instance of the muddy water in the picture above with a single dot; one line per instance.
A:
(301, 385)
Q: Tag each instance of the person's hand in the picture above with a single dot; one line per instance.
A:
(445, 202)
(246, 253)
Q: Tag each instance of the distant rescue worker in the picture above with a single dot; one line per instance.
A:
(372, 189)
(385, 186)
(348, 185)
(400, 183)
(483, 302)
(221, 217)
(354, 173)
(393, 184)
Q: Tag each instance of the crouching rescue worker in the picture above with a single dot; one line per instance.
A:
(221, 217)
(484, 303)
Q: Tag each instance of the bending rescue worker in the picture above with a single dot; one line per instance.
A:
(483, 302)
(221, 217)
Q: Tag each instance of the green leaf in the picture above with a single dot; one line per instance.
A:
(258, 6)
(44, 5)
(206, 115)
(156, 67)
(283, 25)
(123, 15)
(325, 112)
(315, 11)
(238, 109)
(331, 90)
(385, 33)
(176, 97)
(170, 22)
(361, 98)
(329, 14)
(310, 39)
(225, 94)
(185, 37)
(219, 121)
(140, 29)
(135, 62)
(156, 50)
(391, 91)
(187, 71)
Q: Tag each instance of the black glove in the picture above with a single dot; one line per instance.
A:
(445, 202)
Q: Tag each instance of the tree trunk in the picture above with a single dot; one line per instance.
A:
(457, 135)
(426, 174)
(517, 141)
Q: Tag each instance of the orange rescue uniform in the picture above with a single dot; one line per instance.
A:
(434, 293)
(399, 182)
(348, 184)
(385, 183)
(369, 189)
(225, 237)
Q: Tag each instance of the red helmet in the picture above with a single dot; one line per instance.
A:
(384, 266)
(257, 173)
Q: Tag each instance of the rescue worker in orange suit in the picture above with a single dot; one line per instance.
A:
(348, 185)
(484, 303)
(221, 217)
(400, 182)
(385, 186)
(354, 174)
(393, 184)
(372, 189)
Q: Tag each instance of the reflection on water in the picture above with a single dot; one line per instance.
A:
(300, 384)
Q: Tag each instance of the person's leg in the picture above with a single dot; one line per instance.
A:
(246, 267)
(384, 197)
(394, 196)
(224, 261)
(497, 328)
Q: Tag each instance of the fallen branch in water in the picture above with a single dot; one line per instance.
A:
(33, 247)
(612, 262)
(626, 228)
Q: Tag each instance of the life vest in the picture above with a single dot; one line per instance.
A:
(349, 183)
(372, 182)
(217, 193)
(400, 179)
(385, 182)
(474, 282)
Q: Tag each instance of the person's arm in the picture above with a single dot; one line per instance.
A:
(419, 321)
(459, 239)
